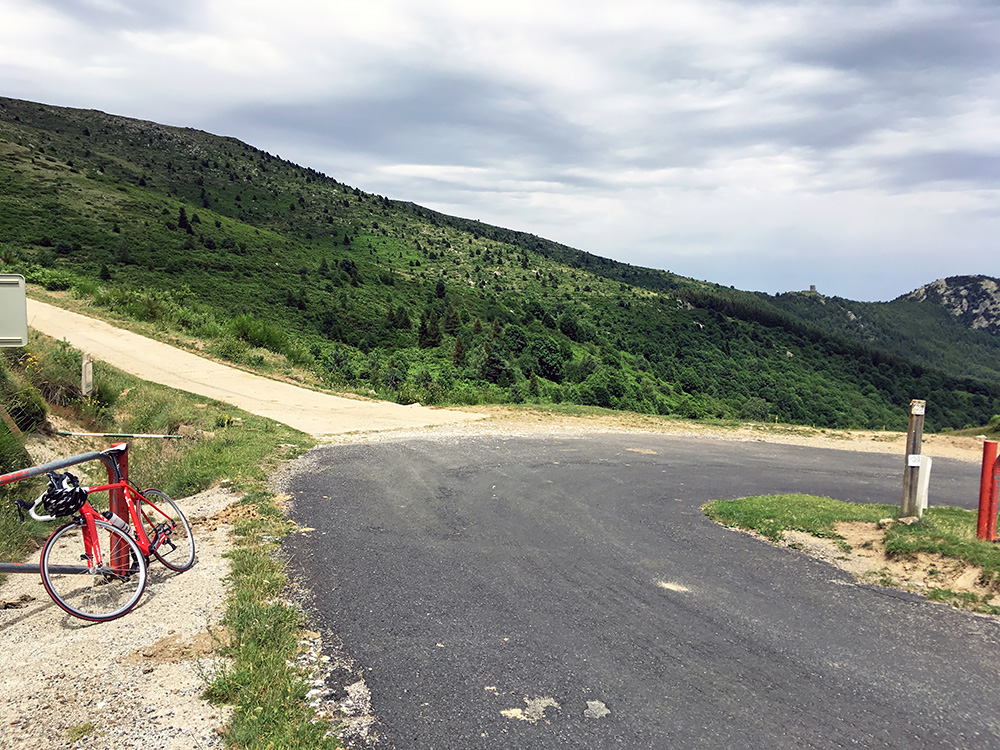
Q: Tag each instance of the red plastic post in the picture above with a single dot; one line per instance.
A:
(986, 526)
(991, 528)
(118, 505)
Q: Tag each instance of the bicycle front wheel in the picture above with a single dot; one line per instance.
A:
(93, 589)
(170, 537)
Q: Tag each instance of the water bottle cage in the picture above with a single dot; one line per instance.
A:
(115, 520)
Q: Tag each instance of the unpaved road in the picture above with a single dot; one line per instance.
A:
(318, 414)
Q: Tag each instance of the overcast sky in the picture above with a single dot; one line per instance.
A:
(764, 145)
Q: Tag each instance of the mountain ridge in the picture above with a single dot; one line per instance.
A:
(975, 300)
(274, 263)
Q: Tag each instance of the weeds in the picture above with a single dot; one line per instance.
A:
(77, 733)
(964, 600)
(945, 531)
(226, 445)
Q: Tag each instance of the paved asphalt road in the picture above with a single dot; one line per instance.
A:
(497, 590)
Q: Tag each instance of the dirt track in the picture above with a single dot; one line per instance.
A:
(318, 414)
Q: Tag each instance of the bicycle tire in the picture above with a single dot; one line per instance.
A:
(160, 516)
(97, 597)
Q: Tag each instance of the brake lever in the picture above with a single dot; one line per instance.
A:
(21, 507)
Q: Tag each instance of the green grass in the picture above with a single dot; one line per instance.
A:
(964, 600)
(267, 694)
(770, 515)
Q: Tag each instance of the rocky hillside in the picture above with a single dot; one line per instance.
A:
(974, 300)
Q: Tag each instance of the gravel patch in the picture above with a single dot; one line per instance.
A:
(135, 681)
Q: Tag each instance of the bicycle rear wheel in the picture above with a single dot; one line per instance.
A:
(105, 591)
(169, 532)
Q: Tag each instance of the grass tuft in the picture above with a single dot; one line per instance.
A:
(770, 515)
(268, 694)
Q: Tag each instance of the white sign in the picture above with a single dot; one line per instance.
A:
(13, 310)
(913, 459)
(918, 408)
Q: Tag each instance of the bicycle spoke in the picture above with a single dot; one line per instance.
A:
(102, 592)
(171, 541)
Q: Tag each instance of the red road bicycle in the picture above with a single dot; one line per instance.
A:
(114, 552)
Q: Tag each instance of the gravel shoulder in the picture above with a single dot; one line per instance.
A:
(136, 680)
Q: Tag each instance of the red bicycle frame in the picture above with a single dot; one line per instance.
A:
(119, 561)
(132, 496)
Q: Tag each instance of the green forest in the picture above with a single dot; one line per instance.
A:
(277, 266)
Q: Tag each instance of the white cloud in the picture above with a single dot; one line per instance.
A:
(756, 141)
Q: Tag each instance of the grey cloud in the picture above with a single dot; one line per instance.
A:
(148, 14)
(971, 168)
(436, 119)
(965, 41)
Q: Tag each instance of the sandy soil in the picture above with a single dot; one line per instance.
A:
(866, 561)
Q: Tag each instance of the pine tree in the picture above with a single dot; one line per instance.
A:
(458, 352)
(451, 321)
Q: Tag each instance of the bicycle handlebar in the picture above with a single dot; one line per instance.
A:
(108, 457)
(31, 511)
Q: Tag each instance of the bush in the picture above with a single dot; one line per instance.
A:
(56, 373)
(259, 333)
(23, 403)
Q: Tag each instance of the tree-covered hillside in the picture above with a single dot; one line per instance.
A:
(273, 263)
(922, 331)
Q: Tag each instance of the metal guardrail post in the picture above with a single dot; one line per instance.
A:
(119, 549)
(64, 463)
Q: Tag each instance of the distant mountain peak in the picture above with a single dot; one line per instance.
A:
(975, 300)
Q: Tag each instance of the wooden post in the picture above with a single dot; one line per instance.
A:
(10, 421)
(914, 437)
